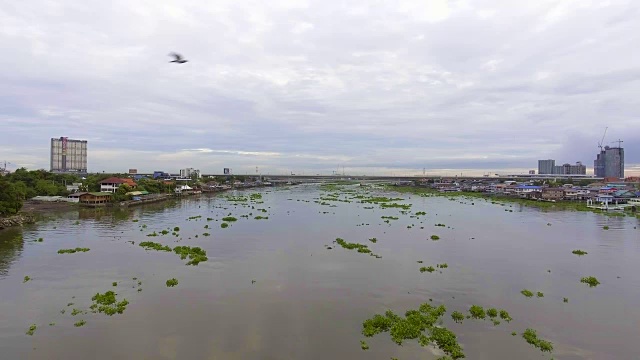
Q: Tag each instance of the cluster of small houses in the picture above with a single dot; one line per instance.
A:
(610, 192)
(109, 186)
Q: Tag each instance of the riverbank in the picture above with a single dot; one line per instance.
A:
(497, 198)
(17, 220)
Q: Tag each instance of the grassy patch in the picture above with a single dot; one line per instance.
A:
(172, 282)
(592, 281)
(413, 327)
(531, 337)
(72, 251)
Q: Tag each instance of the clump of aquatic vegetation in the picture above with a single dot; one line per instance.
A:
(564, 299)
(32, 329)
(40, 239)
(26, 278)
(194, 217)
(390, 217)
(153, 234)
(457, 317)
(477, 312)
(353, 246)
(196, 255)
(261, 217)
(72, 251)
(539, 294)
(229, 219)
(441, 225)
(396, 205)
(172, 282)
(373, 240)
(527, 293)
(531, 337)
(504, 315)
(364, 345)
(80, 323)
(206, 234)
(435, 237)
(605, 227)
(442, 266)
(420, 213)
(224, 225)
(107, 303)
(492, 312)
(414, 325)
(592, 281)
(164, 232)
(150, 245)
(427, 269)
(75, 312)
(579, 252)
(176, 229)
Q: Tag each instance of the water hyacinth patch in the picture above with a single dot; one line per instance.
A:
(150, 245)
(592, 281)
(435, 237)
(427, 269)
(107, 303)
(26, 278)
(579, 252)
(504, 315)
(80, 323)
(32, 330)
(457, 316)
(172, 282)
(477, 312)
(413, 326)
(527, 293)
(373, 240)
(229, 219)
(195, 254)
(531, 337)
(540, 294)
(492, 313)
(72, 251)
(224, 225)
(261, 217)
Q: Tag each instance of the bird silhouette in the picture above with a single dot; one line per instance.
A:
(178, 59)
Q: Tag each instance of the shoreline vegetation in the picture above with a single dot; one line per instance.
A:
(504, 199)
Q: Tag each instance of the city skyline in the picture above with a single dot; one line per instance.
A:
(292, 86)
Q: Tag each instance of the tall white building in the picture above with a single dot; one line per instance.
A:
(189, 172)
(68, 155)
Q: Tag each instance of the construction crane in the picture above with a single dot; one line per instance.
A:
(619, 143)
(603, 135)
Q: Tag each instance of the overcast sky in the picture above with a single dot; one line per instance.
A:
(378, 87)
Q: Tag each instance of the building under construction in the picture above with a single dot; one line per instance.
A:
(68, 155)
(609, 163)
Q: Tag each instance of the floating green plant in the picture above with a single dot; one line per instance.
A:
(229, 219)
(420, 261)
(504, 315)
(135, 220)
(605, 227)
(477, 312)
(413, 326)
(491, 312)
(539, 294)
(115, 283)
(164, 232)
(592, 281)
(52, 324)
(224, 225)
(373, 240)
(435, 237)
(32, 329)
(150, 245)
(421, 213)
(361, 248)
(196, 255)
(579, 252)
(176, 229)
(531, 337)
(40, 239)
(564, 299)
(75, 312)
(108, 304)
(172, 282)
(442, 266)
(153, 234)
(72, 251)
(513, 333)
(441, 225)
(26, 278)
(261, 217)
(527, 293)
(80, 323)
(457, 317)
(428, 269)
(390, 217)
(206, 234)
(363, 345)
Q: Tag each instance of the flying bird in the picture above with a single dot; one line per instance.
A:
(177, 58)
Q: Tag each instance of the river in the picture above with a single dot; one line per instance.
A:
(271, 288)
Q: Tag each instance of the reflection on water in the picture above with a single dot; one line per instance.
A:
(272, 290)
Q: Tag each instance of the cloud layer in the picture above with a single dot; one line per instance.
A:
(312, 86)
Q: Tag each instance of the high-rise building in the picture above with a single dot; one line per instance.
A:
(546, 166)
(68, 156)
(189, 172)
(609, 163)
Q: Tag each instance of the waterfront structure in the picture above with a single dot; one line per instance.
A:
(68, 155)
(95, 198)
(609, 163)
(112, 184)
(553, 193)
(189, 172)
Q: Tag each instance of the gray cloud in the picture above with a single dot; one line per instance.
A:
(297, 85)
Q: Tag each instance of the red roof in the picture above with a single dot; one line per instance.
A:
(115, 180)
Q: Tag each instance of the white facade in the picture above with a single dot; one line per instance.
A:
(68, 156)
(189, 172)
(109, 187)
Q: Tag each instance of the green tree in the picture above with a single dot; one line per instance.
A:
(10, 198)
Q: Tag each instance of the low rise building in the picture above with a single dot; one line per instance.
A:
(95, 198)
(553, 193)
(113, 183)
